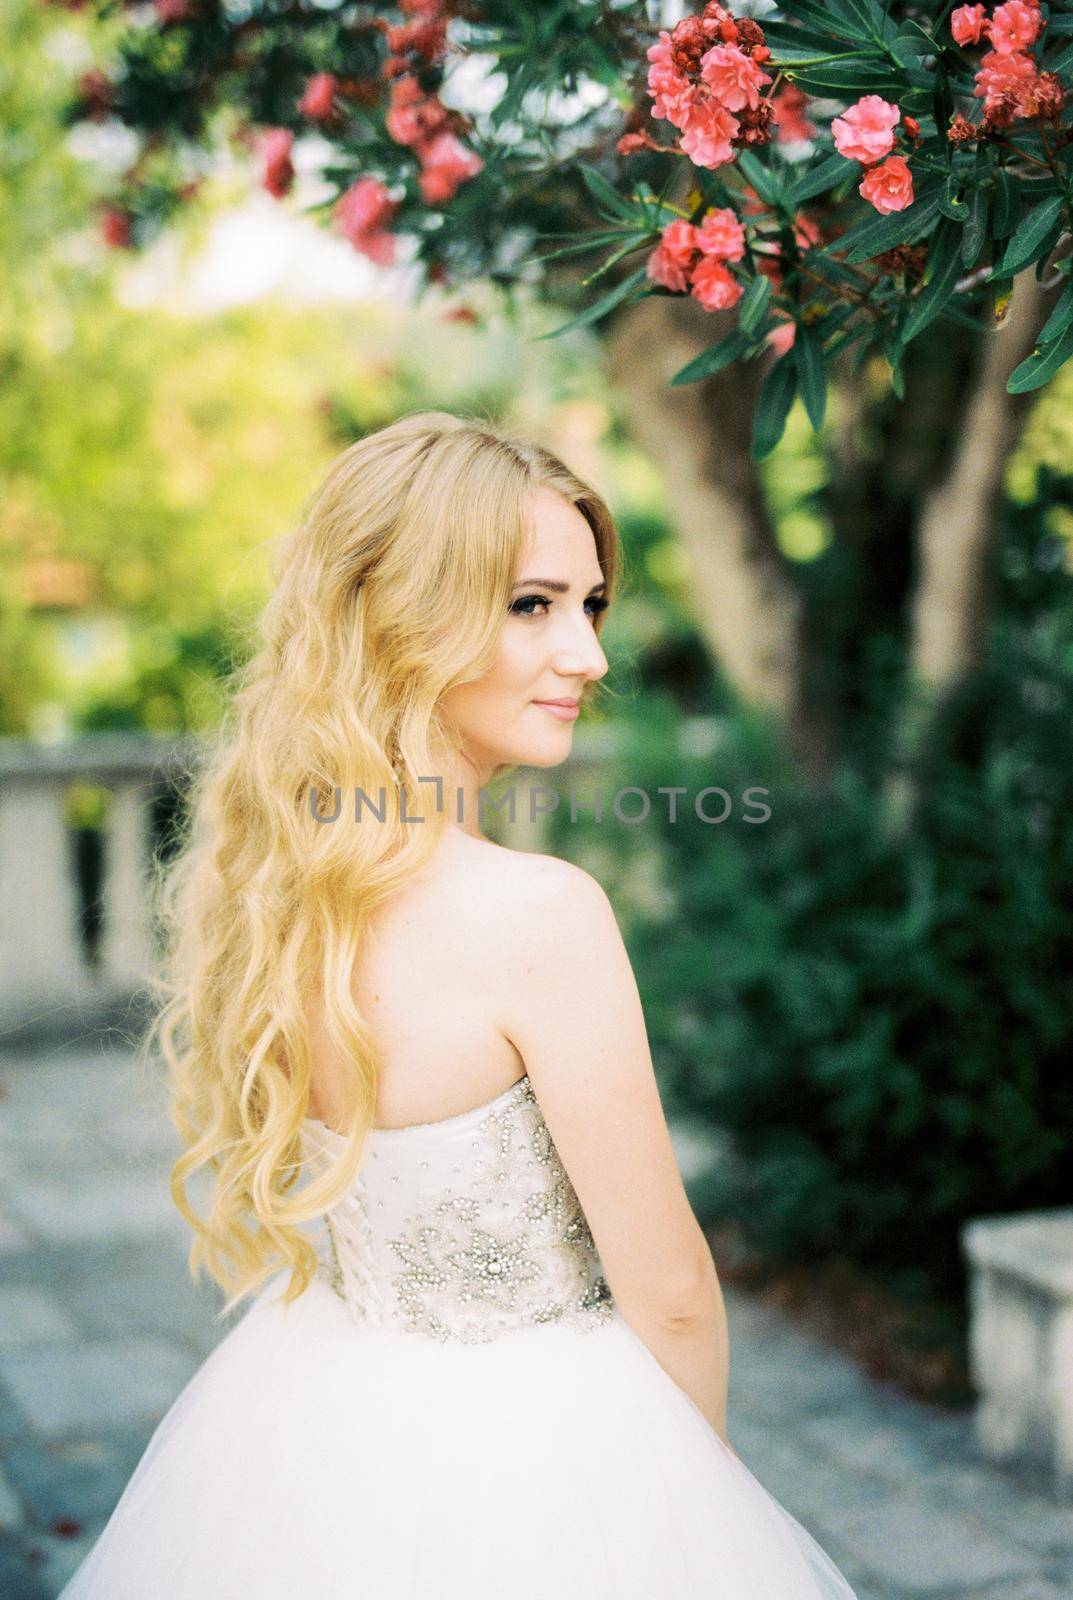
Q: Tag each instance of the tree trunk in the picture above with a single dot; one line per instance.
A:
(958, 530)
(698, 436)
(959, 521)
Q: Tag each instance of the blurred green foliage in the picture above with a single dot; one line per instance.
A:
(880, 1017)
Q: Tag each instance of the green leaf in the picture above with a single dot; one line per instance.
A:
(1029, 238)
(773, 406)
(1044, 251)
(754, 303)
(762, 179)
(807, 352)
(827, 330)
(579, 247)
(1041, 365)
(941, 273)
(600, 307)
(942, 103)
(877, 233)
(865, 74)
(1007, 204)
(1060, 63)
(973, 236)
(1060, 318)
(823, 175)
(894, 353)
(831, 20)
(715, 358)
(605, 195)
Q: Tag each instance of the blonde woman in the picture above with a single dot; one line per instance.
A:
(505, 1372)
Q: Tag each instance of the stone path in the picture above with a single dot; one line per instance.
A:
(100, 1326)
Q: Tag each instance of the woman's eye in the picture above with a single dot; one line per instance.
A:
(523, 607)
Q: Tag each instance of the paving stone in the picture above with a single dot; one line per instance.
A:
(1029, 1589)
(13, 1236)
(64, 1389)
(784, 1376)
(81, 1479)
(63, 1208)
(10, 1505)
(60, 1557)
(862, 1438)
(27, 1316)
(928, 1550)
(21, 1574)
(1002, 1501)
(13, 1422)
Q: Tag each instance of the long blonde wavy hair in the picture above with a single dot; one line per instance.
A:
(392, 590)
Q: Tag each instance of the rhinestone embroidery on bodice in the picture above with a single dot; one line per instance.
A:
(463, 1228)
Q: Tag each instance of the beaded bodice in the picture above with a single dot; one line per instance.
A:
(463, 1228)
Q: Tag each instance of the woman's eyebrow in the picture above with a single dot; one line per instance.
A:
(554, 583)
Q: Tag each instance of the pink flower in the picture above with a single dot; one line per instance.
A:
(969, 24)
(413, 115)
(790, 121)
(421, 8)
(115, 226)
(1002, 74)
(318, 102)
(672, 259)
(721, 234)
(715, 286)
(379, 247)
(446, 163)
(806, 232)
(732, 77)
(361, 214)
(365, 207)
(890, 186)
(671, 91)
(707, 136)
(782, 336)
(1014, 26)
(866, 131)
(174, 10)
(279, 170)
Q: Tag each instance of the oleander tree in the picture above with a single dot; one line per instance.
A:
(865, 206)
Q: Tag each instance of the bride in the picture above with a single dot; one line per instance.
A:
(504, 1371)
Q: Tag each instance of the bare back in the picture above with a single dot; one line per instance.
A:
(429, 985)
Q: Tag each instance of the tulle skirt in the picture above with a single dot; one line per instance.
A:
(310, 1458)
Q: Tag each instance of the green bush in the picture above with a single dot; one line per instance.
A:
(882, 1024)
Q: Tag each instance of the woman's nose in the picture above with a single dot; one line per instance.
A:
(582, 655)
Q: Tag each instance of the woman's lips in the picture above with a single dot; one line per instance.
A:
(565, 713)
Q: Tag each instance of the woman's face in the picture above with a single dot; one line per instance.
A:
(548, 649)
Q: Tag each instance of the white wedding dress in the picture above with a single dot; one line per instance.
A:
(454, 1410)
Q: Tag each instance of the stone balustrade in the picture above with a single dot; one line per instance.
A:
(1021, 1339)
(53, 978)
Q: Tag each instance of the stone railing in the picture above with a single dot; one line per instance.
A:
(1021, 1339)
(54, 974)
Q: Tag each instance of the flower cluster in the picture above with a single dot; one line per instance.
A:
(694, 258)
(362, 214)
(1008, 78)
(278, 176)
(416, 118)
(865, 133)
(705, 78)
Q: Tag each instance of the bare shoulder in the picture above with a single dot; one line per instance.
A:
(541, 902)
(519, 884)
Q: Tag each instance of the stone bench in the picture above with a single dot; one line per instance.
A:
(1021, 1338)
